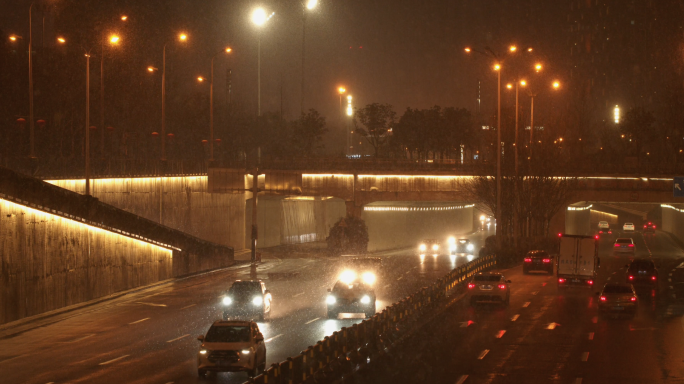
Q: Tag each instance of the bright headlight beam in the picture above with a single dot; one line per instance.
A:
(245, 351)
(369, 278)
(365, 299)
(258, 300)
(422, 247)
(227, 301)
(330, 299)
(348, 277)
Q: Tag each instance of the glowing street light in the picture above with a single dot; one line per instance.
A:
(497, 67)
(538, 67)
(14, 38)
(311, 4)
(513, 48)
(61, 40)
(616, 115)
(467, 50)
(124, 18)
(182, 37)
(200, 79)
(509, 86)
(114, 39)
(523, 83)
(152, 69)
(259, 17)
(556, 84)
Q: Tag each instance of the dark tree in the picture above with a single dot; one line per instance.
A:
(307, 132)
(348, 235)
(375, 122)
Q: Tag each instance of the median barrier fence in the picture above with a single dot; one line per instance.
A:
(352, 349)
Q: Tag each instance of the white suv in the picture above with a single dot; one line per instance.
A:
(628, 227)
(232, 346)
(603, 225)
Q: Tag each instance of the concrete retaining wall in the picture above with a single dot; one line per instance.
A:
(673, 221)
(390, 225)
(186, 204)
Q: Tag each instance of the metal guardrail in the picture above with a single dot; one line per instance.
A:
(354, 348)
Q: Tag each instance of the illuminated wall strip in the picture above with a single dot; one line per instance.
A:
(81, 221)
(325, 175)
(605, 213)
(671, 207)
(121, 179)
(579, 208)
(415, 209)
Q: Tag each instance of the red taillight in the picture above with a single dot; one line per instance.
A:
(649, 223)
(590, 282)
(633, 298)
(644, 226)
(653, 226)
(528, 260)
(560, 235)
(471, 286)
(547, 260)
(561, 280)
(596, 237)
(653, 278)
(602, 298)
(610, 232)
(502, 286)
(631, 245)
(631, 277)
(616, 245)
(600, 231)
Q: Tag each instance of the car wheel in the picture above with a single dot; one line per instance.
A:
(332, 314)
(201, 373)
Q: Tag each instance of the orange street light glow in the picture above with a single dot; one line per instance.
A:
(538, 67)
(513, 48)
(182, 37)
(529, 49)
(229, 50)
(341, 90)
(497, 67)
(114, 39)
(556, 84)
(467, 49)
(13, 38)
(523, 83)
(61, 40)
(124, 18)
(509, 86)
(200, 79)
(151, 69)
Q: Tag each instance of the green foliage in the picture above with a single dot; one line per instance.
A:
(349, 235)
(376, 120)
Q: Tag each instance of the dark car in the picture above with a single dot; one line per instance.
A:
(649, 227)
(247, 299)
(537, 261)
(350, 295)
(616, 297)
(605, 232)
(642, 272)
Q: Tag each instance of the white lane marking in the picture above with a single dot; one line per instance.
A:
(311, 321)
(151, 304)
(387, 285)
(299, 294)
(177, 338)
(400, 277)
(610, 277)
(113, 360)
(191, 305)
(552, 326)
(578, 380)
(501, 333)
(80, 338)
(594, 319)
(462, 379)
(272, 338)
(535, 293)
(515, 317)
(483, 354)
(591, 335)
(139, 321)
(527, 304)
(170, 382)
(585, 356)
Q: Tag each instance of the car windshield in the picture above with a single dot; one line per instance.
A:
(487, 278)
(538, 254)
(245, 289)
(342, 287)
(227, 334)
(624, 241)
(641, 265)
(617, 289)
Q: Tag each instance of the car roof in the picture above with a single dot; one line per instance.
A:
(537, 252)
(231, 323)
(247, 282)
(624, 238)
(641, 262)
(617, 285)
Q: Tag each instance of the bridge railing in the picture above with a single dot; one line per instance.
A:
(354, 348)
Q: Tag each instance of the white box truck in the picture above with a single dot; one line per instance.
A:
(577, 261)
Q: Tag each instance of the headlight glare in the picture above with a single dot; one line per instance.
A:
(227, 301)
(245, 351)
(369, 278)
(435, 247)
(365, 299)
(348, 277)
(330, 299)
(470, 247)
(257, 300)
(203, 352)
(422, 247)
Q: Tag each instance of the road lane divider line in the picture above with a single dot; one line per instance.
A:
(515, 317)
(272, 338)
(151, 304)
(114, 360)
(527, 304)
(483, 354)
(462, 379)
(80, 338)
(138, 321)
(400, 277)
(501, 333)
(591, 335)
(299, 294)
(311, 321)
(585, 356)
(552, 325)
(177, 338)
(535, 293)
(191, 305)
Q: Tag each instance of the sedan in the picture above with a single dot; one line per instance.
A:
(642, 272)
(618, 297)
(624, 244)
(489, 287)
(628, 227)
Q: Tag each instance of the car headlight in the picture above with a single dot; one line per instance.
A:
(245, 351)
(330, 299)
(470, 247)
(369, 278)
(365, 299)
(258, 300)
(435, 247)
(422, 247)
(452, 240)
(227, 301)
(348, 277)
(203, 351)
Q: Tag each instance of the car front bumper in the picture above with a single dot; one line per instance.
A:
(356, 307)
(617, 307)
(247, 311)
(205, 363)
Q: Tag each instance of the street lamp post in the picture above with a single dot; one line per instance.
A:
(259, 18)
(310, 4)
(211, 106)
(497, 67)
(87, 127)
(112, 40)
(32, 154)
(182, 37)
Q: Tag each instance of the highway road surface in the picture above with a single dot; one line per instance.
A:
(552, 336)
(150, 336)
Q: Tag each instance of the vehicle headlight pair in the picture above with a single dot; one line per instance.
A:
(348, 276)
(422, 247)
(203, 351)
(257, 300)
(365, 299)
(435, 247)
(369, 278)
(245, 351)
(330, 299)
(470, 247)
(227, 301)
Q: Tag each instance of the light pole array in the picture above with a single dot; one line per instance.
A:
(113, 40)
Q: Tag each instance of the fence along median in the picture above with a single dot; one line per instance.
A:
(354, 348)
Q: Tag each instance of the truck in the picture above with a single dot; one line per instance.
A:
(577, 261)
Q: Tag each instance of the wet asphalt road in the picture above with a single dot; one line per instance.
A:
(551, 336)
(150, 336)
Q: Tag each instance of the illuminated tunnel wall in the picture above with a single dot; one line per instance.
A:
(293, 220)
(49, 262)
(673, 220)
(405, 223)
(185, 204)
